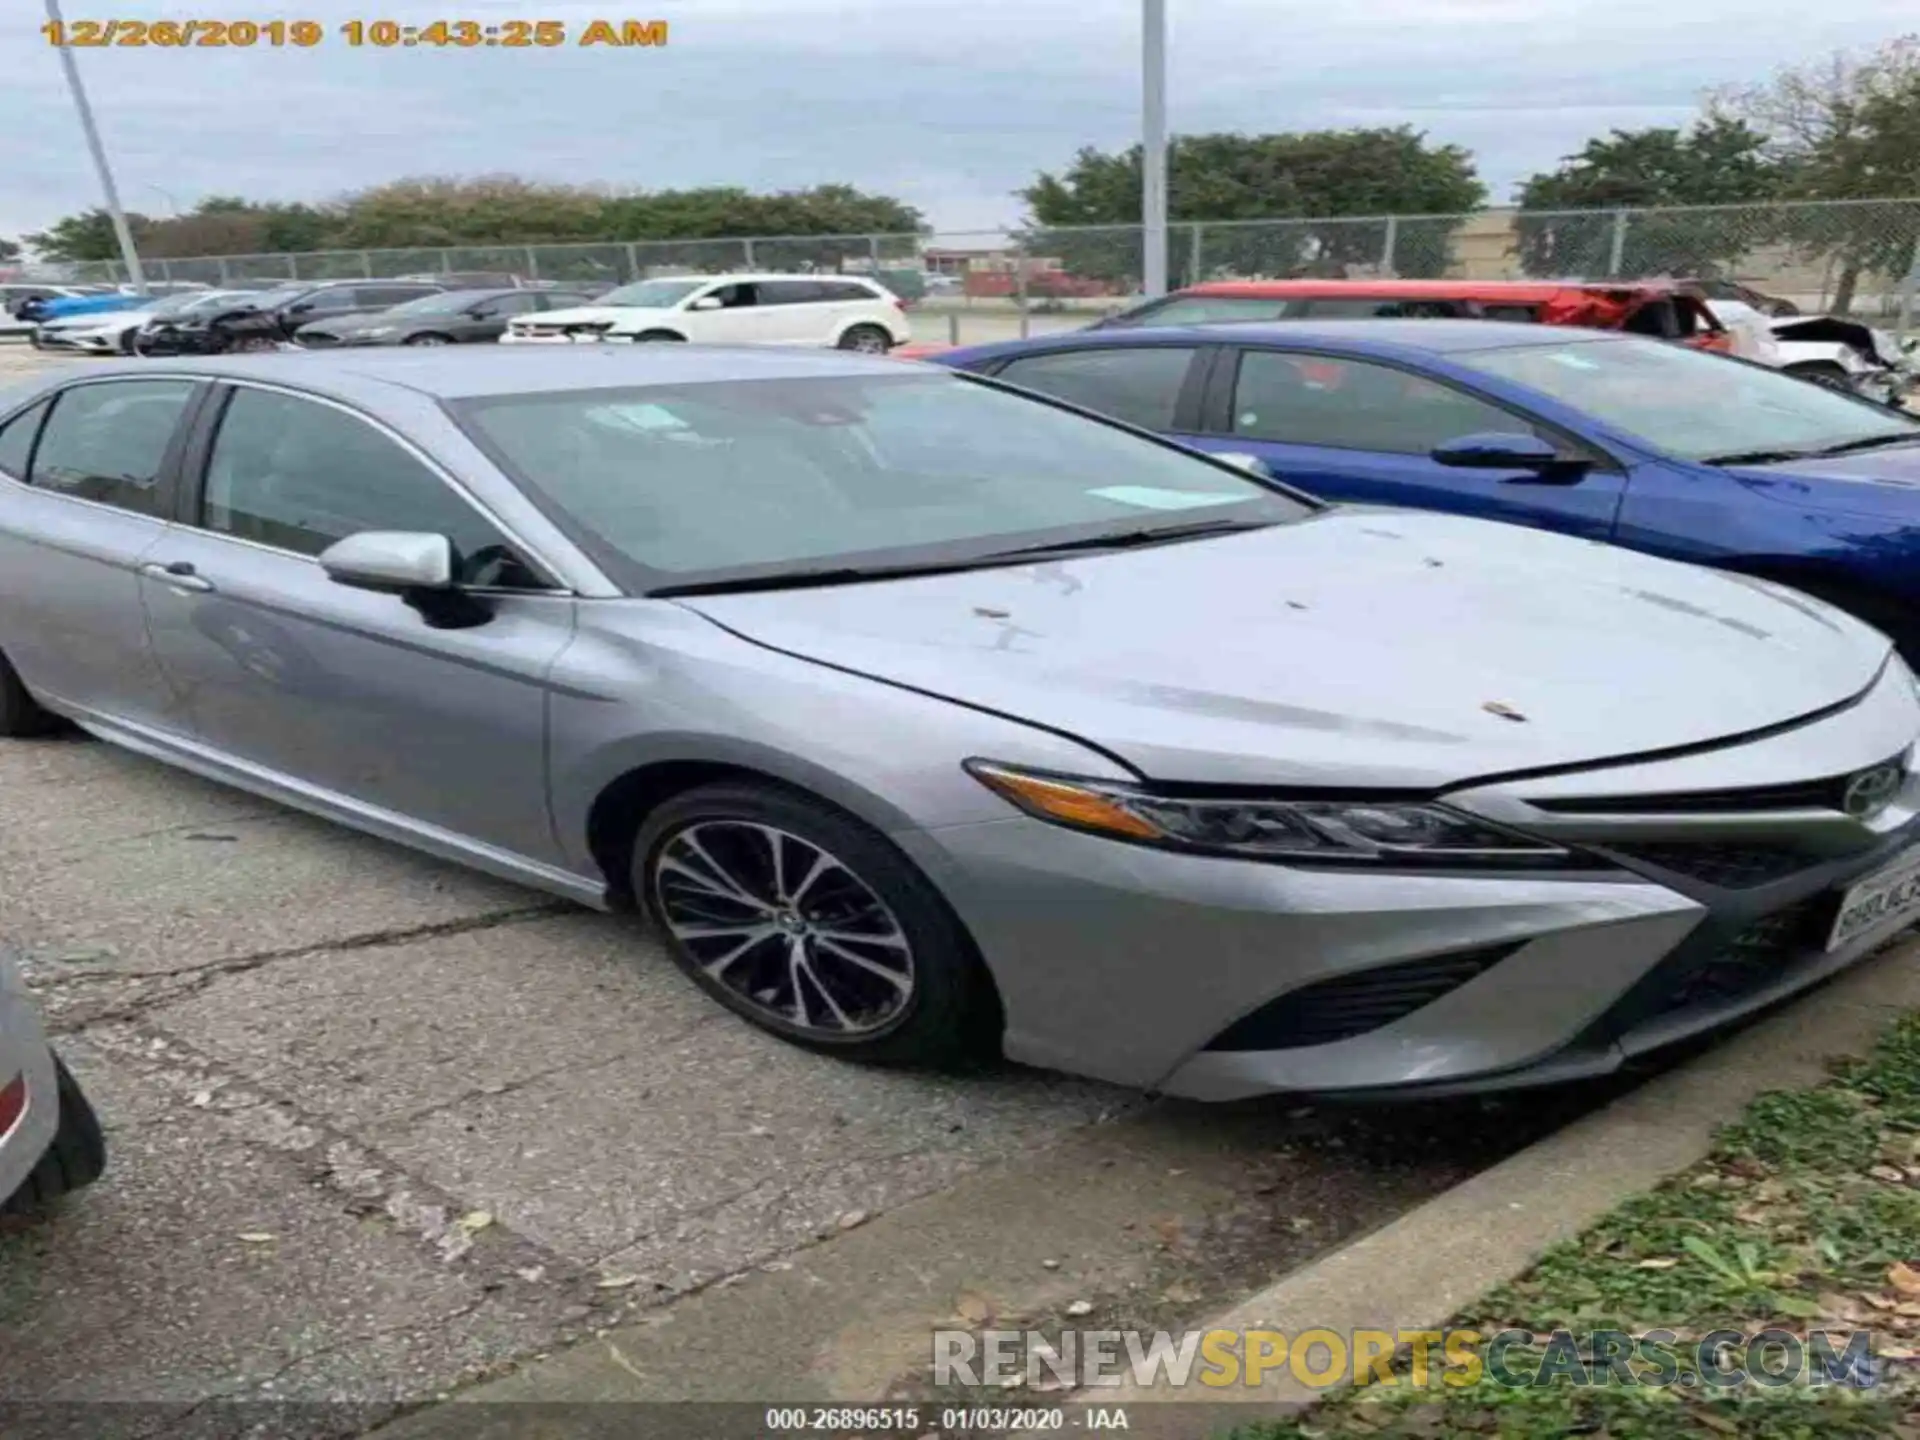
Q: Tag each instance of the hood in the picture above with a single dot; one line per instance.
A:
(1885, 483)
(579, 315)
(1357, 648)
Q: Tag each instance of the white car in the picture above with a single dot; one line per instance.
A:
(16, 292)
(842, 311)
(112, 332)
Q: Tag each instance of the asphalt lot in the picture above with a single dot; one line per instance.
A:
(380, 1127)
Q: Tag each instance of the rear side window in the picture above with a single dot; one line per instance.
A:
(1140, 386)
(16, 439)
(390, 294)
(843, 290)
(1382, 308)
(107, 442)
(791, 292)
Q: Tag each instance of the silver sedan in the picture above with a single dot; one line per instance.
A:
(925, 717)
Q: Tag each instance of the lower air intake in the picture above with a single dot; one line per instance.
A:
(1350, 1005)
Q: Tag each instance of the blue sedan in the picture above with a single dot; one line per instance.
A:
(1635, 441)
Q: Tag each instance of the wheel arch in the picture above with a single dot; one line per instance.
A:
(614, 808)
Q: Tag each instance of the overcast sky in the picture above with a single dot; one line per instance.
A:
(950, 106)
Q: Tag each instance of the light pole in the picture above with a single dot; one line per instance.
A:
(1153, 142)
(128, 255)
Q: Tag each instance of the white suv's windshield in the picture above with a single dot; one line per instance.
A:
(651, 294)
(762, 477)
(1692, 404)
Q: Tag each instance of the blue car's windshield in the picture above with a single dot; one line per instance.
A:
(1691, 404)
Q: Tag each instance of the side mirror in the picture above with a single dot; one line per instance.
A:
(417, 567)
(1240, 460)
(390, 562)
(706, 302)
(1495, 451)
(304, 307)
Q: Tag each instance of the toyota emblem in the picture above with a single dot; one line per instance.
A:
(1871, 791)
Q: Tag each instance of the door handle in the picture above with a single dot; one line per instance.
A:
(180, 575)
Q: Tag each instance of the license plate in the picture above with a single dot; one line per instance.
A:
(1887, 900)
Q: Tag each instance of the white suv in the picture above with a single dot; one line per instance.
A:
(844, 311)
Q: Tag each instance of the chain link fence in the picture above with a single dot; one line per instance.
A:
(1854, 256)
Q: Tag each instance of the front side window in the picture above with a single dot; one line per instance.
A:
(651, 294)
(1301, 399)
(1692, 404)
(1140, 386)
(108, 442)
(1381, 308)
(767, 476)
(299, 475)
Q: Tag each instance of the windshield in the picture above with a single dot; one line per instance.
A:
(759, 477)
(1690, 403)
(651, 294)
(271, 299)
(1201, 310)
(190, 300)
(440, 303)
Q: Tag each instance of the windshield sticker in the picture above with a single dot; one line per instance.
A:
(1152, 497)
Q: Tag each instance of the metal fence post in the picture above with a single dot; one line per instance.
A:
(1391, 244)
(633, 261)
(1617, 252)
(366, 264)
(293, 267)
(533, 264)
(225, 275)
(873, 252)
(746, 250)
(1020, 286)
(166, 272)
(953, 327)
(1193, 257)
(446, 262)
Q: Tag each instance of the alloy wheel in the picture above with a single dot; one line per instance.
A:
(785, 926)
(867, 341)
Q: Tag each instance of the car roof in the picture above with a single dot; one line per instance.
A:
(1512, 291)
(1401, 337)
(469, 372)
(739, 277)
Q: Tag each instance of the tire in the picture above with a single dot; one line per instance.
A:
(21, 716)
(867, 339)
(428, 340)
(650, 337)
(934, 1006)
(1820, 372)
(73, 1161)
(127, 339)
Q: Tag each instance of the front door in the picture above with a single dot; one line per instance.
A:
(346, 692)
(1360, 431)
(85, 489)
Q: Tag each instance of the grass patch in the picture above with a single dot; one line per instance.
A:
(1804, 1218)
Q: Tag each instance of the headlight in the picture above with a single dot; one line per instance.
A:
(1392, 832)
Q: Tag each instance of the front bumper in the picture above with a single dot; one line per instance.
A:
(571, 337)
(1220, 979)
(24, 1057)
(93, 342)
(169, 341)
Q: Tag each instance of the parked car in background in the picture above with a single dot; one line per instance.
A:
(270, 318)
(20, 302)
(1668, 310)
(116, 332)
(925, 717)
(453, 317)
(1847, 355)
(50, 1140)
(849, 312)
(1692, 456)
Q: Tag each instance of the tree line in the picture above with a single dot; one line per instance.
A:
(1845, 127)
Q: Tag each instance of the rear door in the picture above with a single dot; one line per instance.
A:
(86, 489)
(798, 312)
(489, 320)
(1361, 430)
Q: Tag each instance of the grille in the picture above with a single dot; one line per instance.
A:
(1752, 958)
(1729, 866)
(1351, 1005)
(1823, 794)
